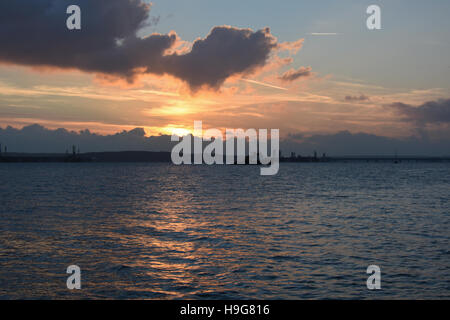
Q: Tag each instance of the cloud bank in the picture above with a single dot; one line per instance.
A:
(428, 112)
(34, 33)
(37, 139)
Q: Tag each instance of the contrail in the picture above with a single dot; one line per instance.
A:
(159, 93)
(264, 84)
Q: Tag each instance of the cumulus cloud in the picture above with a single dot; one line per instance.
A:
(34, 33)
(357, 98)
(294, 74)
(224, 52)
(292, 46)
(428, 112)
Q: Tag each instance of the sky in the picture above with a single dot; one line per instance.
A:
(308, 68)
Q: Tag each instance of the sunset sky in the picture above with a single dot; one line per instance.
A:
(304, 67)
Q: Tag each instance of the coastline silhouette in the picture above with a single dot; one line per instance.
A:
(164, 156)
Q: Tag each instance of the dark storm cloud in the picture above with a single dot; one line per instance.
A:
(292, 75)
(34, 33)
(429, 112)
(357, 98)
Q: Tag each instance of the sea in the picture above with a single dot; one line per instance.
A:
(160, 231)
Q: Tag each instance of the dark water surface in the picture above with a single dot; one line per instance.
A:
(159, 231)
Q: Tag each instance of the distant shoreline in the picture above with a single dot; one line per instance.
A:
(149, 156)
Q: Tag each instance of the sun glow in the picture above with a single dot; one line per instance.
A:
(176, 130)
